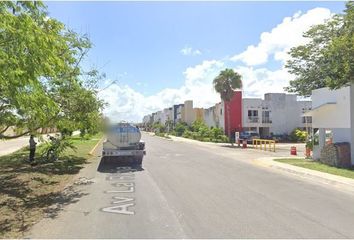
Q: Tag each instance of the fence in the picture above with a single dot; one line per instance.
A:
(263, 143)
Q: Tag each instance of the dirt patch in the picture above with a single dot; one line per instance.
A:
(30, 192)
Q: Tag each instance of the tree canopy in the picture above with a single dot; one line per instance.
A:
(327, 60)
(226, 82)
(41, 81)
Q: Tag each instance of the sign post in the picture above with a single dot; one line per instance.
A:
(237, 138)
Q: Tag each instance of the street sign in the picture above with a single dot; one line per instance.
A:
(237, 136)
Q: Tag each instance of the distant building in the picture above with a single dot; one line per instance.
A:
(277, 114)
(166, 115)
(147, 120)
(177, 113)
(214, 116)
(234, 106)
(198, 114)
(217, 116)
(188, 112)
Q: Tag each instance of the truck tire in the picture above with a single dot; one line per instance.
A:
(138, 160)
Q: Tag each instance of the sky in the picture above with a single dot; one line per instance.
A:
(163, 53)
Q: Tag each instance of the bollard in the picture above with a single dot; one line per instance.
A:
(244, 144)
(293, 151)
(308, 153)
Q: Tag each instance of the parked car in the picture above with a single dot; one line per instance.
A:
(249, 136)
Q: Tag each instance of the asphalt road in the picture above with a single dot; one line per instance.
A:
(188, 190)
(10, 146)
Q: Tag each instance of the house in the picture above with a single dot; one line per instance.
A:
(214, 116)
(147, 120)
(332, 118)
(276, 114)
(177, 113)
(188, 112)
(166, 116)
(198, 114)
(233, 114)
(217, 115)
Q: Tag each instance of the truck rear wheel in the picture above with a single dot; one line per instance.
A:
(138, 160)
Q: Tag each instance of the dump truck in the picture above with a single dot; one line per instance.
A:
(123, 141)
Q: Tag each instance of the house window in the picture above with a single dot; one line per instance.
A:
(253, 116)
(266, 117)
(307, 119)
(252, 113)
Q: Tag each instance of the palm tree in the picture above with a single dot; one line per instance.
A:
(225, 83)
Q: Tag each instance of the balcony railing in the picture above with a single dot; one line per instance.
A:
(266, 120)
(253, 119)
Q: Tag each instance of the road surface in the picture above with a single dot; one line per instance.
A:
(10, 146)
(187, 190)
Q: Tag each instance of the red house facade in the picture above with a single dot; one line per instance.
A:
(234, 106)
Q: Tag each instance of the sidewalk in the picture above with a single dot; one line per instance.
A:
(282, 149)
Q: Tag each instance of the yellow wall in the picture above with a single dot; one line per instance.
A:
(199, 114)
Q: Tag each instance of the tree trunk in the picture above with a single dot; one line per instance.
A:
(228, 124)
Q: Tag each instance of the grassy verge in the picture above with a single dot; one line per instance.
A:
(315, 165)
(27, 193)
(165, 135)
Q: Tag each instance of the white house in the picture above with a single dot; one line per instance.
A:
(332, 117)
(166, 115)
(277, 114)
(214, 116)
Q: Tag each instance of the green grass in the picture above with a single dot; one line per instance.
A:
(317, 166)
(27, 193)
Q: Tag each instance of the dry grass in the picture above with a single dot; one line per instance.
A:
(28, 193)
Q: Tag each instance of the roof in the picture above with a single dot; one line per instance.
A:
(323, 106)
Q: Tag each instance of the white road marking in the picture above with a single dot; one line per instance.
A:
(122, 205)
(121, 209)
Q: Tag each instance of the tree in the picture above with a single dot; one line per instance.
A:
(41, 81)
(169, 125)
(327, 60)
(225, 84)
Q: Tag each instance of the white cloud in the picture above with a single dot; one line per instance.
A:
(257, 81)
(280, 39)
(188, 51)
(124, 103)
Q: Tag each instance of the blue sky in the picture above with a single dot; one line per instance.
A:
(156, 49)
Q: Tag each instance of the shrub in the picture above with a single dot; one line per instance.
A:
(158, 128)
(57, 146)
(224, 139)
(298, 135)
(187, 134)
(180, 128)
(216, 133)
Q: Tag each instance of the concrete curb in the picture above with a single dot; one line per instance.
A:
(154, 135)
(94, 148)
(317, 176)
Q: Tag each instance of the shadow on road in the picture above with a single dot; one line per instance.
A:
(230, 146)
(112, 166)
